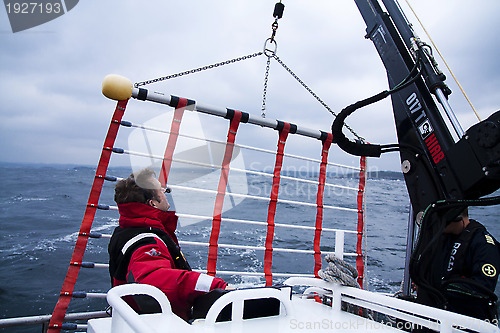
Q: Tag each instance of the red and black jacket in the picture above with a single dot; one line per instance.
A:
(144, 249)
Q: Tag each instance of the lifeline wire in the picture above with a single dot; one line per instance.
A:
(445, 63)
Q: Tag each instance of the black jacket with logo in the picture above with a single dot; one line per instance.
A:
(470, 271)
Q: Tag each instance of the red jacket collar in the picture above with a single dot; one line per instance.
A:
(135, 214)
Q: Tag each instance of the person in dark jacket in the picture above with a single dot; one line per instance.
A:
(145, 249)
(459, 271)
(470, 271)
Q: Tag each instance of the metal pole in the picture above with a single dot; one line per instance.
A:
(221, 112)
(35, 320)
(409, 249)
(449, 112)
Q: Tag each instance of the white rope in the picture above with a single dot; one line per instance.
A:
(237, 195)
(231, 246)
(315, 182)
(256, 273)
(96, 295)
(96, 265)
(199, 217)
(230, 220)
(247, 196)
(253, 172)
(260, 248)
(339, 271)
(262, 150)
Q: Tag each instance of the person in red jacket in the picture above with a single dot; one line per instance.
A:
(144, 248)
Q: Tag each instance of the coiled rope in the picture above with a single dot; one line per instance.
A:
(339, 271)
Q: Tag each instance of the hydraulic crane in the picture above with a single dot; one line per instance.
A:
(442, 175)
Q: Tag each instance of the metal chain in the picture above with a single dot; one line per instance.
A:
(264, 93)
(269, 52)
(171, 76)
(274, 27)
(314, 95)
(270, 55)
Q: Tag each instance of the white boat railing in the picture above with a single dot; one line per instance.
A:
(415, 314)
(124, 317)
(411, 315)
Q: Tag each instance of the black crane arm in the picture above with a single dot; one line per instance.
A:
(442, 176)
(435, 166)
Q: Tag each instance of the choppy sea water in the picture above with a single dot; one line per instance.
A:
(41, 208)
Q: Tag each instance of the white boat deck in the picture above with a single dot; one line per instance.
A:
(296, 313)
(306, 314)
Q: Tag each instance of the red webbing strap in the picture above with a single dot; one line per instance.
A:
(172, 140)
(221, 192)
(268, 256)
(359, 250)
(319, 203)
(81, 242)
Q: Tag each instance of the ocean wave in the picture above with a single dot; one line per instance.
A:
(21, 198)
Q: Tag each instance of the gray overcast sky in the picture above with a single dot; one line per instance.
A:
(52, 111)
